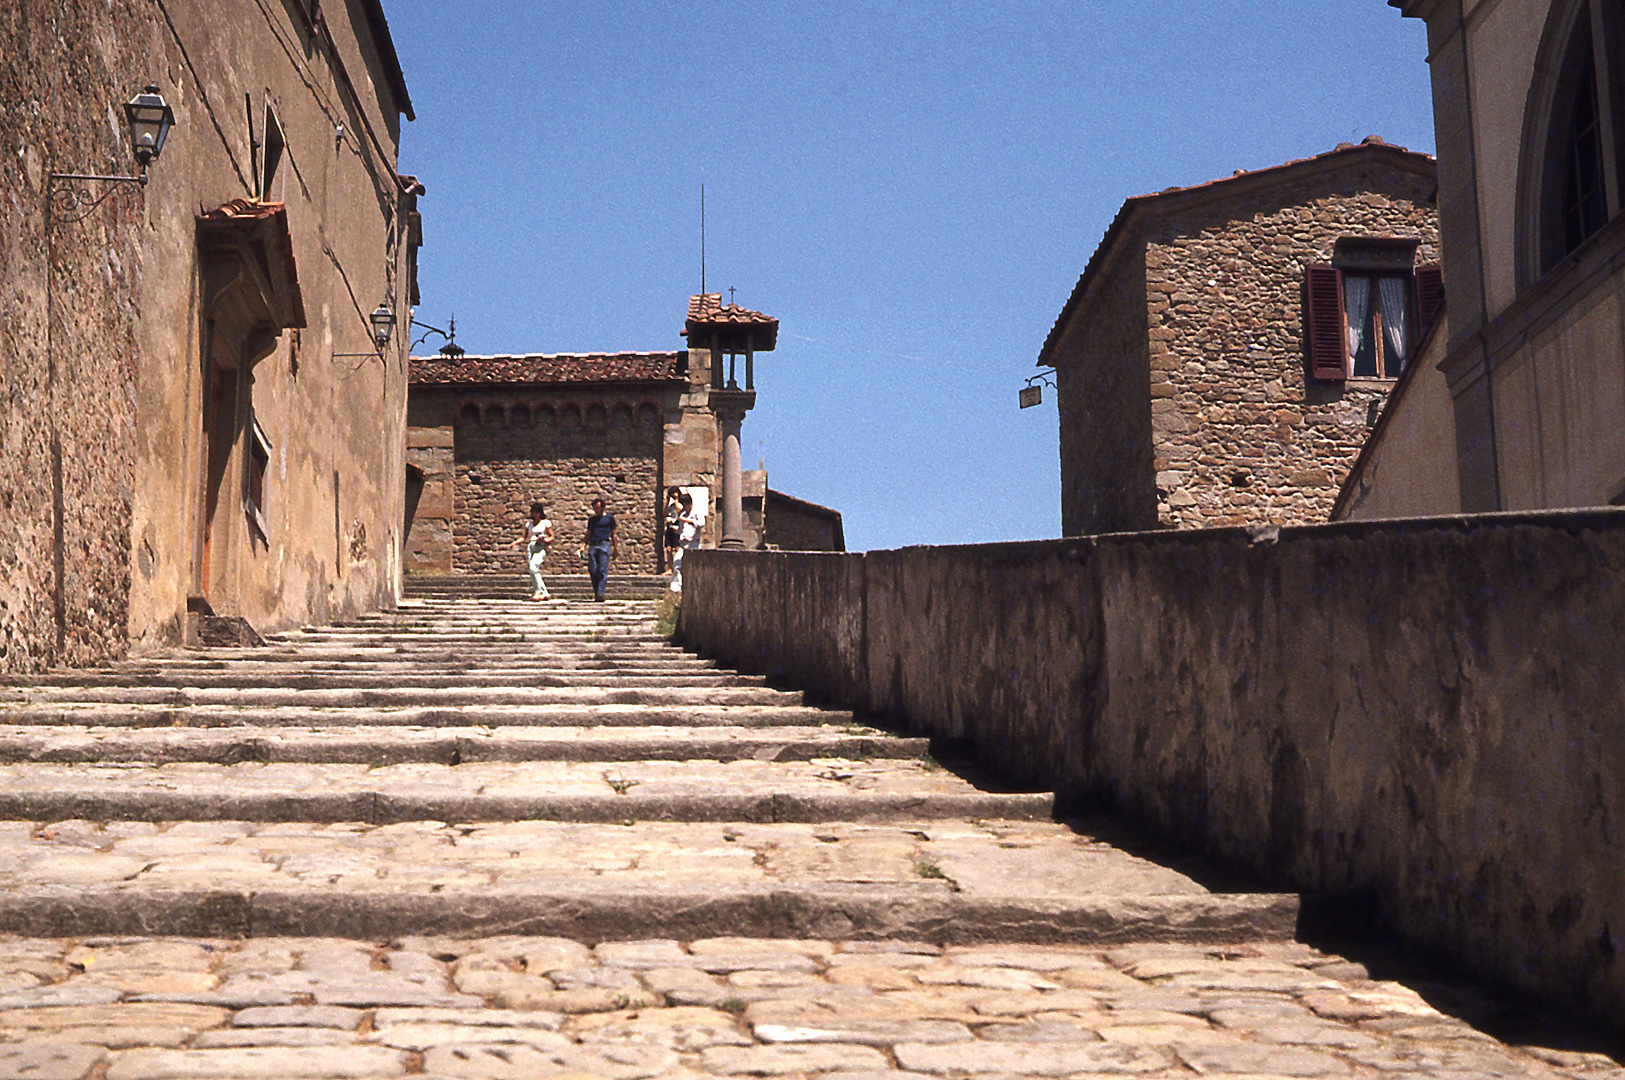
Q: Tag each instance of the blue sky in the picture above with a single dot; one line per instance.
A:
(912, 189)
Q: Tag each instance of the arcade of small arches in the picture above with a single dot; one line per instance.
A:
(594, 415)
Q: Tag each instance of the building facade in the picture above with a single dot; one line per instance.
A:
(489, 435)
(1529, 115)
(197, 419)
(1229, 345)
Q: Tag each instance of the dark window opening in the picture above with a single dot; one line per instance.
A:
(259, 460)
(1585, 204)
(1583, 153)
(1377, 317)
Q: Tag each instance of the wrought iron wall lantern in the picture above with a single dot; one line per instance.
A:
(149, 118)
(71, 197)
(382, 322)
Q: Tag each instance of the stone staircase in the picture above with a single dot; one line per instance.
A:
(566, 580)
(474, 764)
(486, 838)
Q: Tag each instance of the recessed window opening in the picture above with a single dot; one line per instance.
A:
(1378, 322)
(1581, 156)
(271, 160)
(259, 460)
(1585, 204)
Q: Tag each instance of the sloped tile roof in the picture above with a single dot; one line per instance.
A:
(706, 310)
(553, 369)
(264, 224)
(1369, 147)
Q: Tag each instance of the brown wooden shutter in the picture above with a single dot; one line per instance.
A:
(1327, 344)
(1429, 297)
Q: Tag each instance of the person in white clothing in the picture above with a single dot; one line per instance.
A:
(688, 536)
(538, 535)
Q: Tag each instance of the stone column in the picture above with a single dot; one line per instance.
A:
(730, 407)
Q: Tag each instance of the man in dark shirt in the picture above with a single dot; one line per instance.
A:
(601, 547)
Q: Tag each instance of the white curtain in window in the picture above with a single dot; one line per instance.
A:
(1391, 291)
(1356, 303)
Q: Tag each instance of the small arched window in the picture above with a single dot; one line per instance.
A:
(1578, 142)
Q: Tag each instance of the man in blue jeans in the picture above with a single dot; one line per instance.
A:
(601, 547)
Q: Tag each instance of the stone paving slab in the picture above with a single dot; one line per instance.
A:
(380, 697)
(306, 677)
(605, 692)
(446, 745)
(535, 1006)
(744, 790)
(608, 714)
(943, 880)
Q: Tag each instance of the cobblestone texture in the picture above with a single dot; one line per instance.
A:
(542, 1007)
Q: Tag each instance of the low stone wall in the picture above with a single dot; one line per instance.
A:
(1427, 712)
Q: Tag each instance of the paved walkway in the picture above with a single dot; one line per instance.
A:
(486, 838)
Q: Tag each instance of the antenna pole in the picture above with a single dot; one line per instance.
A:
(702, 237)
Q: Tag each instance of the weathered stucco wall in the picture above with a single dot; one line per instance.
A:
(67, 434)
(103, 439)
(1406, 468)
(1422, 711)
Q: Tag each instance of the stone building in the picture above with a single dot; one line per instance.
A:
(195, 416)
(1529, 117)
(487, 435)
(1229, 345)
(793, 524)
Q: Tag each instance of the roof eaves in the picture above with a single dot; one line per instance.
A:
(1224, 186)
(379, 25)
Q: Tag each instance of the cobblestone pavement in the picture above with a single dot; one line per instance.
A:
(491, 839)
(131, 1008)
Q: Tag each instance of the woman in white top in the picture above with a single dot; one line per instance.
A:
(688, 536)
(538, 535)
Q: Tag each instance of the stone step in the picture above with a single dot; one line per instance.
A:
(820, 790)
(510, 665)
(431, 654)
(303, 677)
(919, 878)
(514, 587)
(388, 697)
(447, 746)
(446, 639)
(554, 715)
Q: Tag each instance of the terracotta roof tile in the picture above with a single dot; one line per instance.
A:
(266, 223)
(557, 368)
(706, 310)
(243, 210)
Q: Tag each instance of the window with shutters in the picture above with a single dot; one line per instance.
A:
(1364, 319)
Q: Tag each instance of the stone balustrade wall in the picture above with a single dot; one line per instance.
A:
(1425, 713)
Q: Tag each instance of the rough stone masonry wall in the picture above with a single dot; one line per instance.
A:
(1105, 415)
(1241, 434)
(1424, 712)
(509, 458)
(67, 419)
